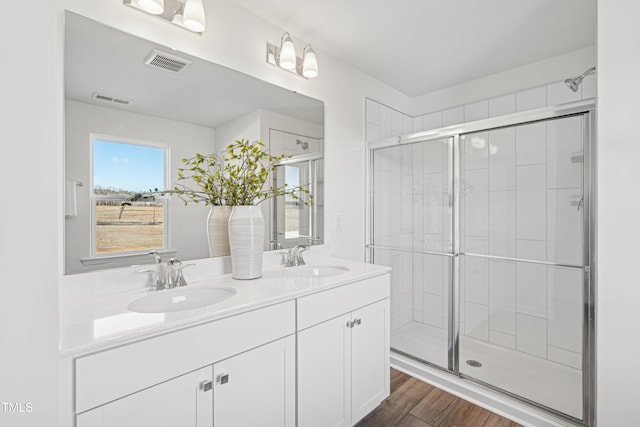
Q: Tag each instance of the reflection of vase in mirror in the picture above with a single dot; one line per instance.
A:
(218, 230)
(246, 240)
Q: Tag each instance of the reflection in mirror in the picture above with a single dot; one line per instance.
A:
(296, 222)
(186, 106)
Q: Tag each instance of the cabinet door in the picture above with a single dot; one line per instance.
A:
(257, 388)
(324, 385)
(182, 401)
(369, 358)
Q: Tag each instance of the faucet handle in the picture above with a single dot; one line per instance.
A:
(284, 258)
(156, 256)
(179, 279)
(276, 243)
(174, 262)
(173, 266)
(159, 284)
(299, 249)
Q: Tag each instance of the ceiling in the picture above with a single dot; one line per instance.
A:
(419, 46)
(100, 59)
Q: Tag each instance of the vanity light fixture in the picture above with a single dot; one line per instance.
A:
(178, 18)
(284, 56)
(187, 14)
(193, 16)
(154, 7)
(309, 63)
(288, 57)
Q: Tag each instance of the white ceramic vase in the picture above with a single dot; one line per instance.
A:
(246, 239)
(218, 230)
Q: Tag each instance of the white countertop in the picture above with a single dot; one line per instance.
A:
(96, 322)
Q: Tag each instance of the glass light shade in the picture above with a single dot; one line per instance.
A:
(309, 63)
(287, 53)
(154, 7)
(178, 19)
(193, 16)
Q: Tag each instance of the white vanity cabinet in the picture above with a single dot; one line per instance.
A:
(318, 355)
(182, 401)
(343, 353)
(234, 371)
(257, 388)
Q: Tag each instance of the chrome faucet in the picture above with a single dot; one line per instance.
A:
(174, 273)
(169, 275)
(160, 271)
(294, 256)
(277, 243)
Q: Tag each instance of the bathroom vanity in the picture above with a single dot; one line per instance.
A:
(291, 348)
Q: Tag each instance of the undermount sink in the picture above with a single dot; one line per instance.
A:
(179, 299)
(311, 271)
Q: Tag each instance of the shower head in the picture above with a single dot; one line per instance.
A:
(574, 83)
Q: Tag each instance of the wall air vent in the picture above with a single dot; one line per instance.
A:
(166, 62)
(105, 98)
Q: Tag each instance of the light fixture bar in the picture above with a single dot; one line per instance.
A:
(187, 14)
(305, 67)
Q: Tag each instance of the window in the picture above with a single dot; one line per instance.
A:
(121, 168)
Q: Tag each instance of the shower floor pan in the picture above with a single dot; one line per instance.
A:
(548, 383)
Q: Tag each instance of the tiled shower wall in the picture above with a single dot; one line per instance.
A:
(410, 213)
(523, 198)
(383, 122)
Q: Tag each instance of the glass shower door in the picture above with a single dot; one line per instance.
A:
(522, 262)
(412, 233)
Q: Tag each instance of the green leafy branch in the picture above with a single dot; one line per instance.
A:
(237, 178)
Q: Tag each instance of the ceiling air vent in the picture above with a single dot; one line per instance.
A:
(166, 62)
(106, 98)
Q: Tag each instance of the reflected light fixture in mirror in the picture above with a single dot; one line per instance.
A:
(285, 57)
(188, 14)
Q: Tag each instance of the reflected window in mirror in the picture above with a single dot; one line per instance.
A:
(122, 168)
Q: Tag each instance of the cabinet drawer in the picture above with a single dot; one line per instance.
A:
(322, 306)
(106, 376)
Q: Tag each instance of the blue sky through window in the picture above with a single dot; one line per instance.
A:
(292, 176)
(127, 166)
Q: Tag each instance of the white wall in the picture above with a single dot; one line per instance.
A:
(272, 120)
(618, 286)
(31, 213)
(183, 139)
(247, 127)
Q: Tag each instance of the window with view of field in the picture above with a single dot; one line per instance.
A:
(122, 168)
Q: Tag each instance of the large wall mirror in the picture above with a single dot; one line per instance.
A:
(133, 110)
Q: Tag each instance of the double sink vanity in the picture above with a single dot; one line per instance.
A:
(305, 346)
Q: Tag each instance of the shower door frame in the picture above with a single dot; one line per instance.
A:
(586, 109)
(312, 161)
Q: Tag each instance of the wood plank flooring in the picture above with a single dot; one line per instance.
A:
(414, 403)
